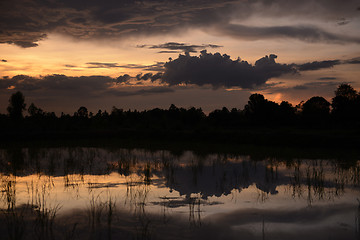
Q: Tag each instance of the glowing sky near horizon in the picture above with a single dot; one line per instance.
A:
(73, 53)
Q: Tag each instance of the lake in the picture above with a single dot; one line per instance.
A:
(119, 193)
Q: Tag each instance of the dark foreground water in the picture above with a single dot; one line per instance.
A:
(97, 193)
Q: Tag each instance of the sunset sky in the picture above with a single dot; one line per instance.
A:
(146, 54)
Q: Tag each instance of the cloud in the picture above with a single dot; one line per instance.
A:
(143, 92)
(90, 86)
(147, 76)
(25, 25)
(102, 65)
(304, 33)
(70, 66)
(159, 66)
(179, 47)
(343, 21)
(165, 51)
(327, 78)
(308, 89)
(318, 65)
(221, 71)
(307, 86)
(3, 60)
(353, 61)
(124, 78)
(317, 84)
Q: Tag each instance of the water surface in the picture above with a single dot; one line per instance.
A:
(100, 193)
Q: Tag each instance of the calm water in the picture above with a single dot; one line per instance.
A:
(97, 193)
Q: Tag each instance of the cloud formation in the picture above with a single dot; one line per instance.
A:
(327, 78)
(322, 84)
(25, 25)
(300, 32)
(159, 66)
(221, 71)
(90, 86)
(147, 76)
(318, 65)
(353, 61)
(142, 92)
(174, 47)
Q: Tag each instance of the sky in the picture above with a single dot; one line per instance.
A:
(146, 54)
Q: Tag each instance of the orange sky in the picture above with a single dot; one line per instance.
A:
(89, 42)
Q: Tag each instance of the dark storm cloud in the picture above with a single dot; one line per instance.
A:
(221, 71)
(180, 47)
(26, 23)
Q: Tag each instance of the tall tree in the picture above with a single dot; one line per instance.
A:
(316, 109)
(346, 103)
(262, 110)
(82, 112)
(35, 111)
(16, 106)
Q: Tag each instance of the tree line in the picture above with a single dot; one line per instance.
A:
(342, 111)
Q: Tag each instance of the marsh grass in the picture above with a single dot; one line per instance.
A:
(45, 212)
(8, 185)
(357, 219)
(45, 221)
(195, 211)
(100, 211)
(95, 210)
(15, 222)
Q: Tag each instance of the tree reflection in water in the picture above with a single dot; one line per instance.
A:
(95, 193)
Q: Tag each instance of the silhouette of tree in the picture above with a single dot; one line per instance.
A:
(116, 112)
(98, 114)
(193, 116)
(35, 111)
(258, 112)
(262, 110)
(347, 91)
(173, 108)
(16, 106)
(316, 109)
(82, 112)
(286, 112)
(346, 103)
(220, 117)
(255, 104)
